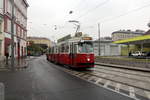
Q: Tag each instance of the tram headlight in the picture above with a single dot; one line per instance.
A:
(88, 59)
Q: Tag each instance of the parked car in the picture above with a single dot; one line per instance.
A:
(138, 53)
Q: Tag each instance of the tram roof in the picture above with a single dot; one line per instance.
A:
(135, 40)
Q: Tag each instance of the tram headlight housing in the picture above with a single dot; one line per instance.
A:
(88, 59)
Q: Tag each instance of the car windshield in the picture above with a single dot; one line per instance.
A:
(85, 47)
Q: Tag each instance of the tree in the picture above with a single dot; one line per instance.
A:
(35, 49)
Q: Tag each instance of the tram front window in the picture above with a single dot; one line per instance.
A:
(85, 47)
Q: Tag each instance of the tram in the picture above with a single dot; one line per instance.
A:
(76, 52)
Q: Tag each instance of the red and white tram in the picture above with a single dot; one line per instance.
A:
(75, 52)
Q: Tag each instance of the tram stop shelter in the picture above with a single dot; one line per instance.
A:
(142, 41)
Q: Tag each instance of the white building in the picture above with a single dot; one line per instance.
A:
(1, 31)
(126, 34)
(20, 27)
(107, 48)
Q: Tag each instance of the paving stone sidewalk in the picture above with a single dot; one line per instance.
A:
(19, 63)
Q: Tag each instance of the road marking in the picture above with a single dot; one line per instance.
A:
(85, 76)
(80, 74)
(117, 88)
(99, 80)
(104, 75)
(90, 78)
(107, 83)
(148, 94)
(75, 73)
(132, 92)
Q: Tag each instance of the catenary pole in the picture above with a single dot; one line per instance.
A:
(99, 51)
(12, 36)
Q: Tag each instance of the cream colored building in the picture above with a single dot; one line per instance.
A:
(126, 34)
(39, 40)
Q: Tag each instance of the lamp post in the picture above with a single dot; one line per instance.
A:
(12, 36)
(78, 24)
(99, 50)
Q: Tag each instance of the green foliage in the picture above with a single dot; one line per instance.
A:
(35, 49)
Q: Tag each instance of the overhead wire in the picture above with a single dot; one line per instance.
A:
(124, 14)
(91, 10)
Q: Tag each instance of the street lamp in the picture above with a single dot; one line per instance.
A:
(78, 24)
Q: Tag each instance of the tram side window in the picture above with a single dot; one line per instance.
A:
(50, 50)
(71, 51)
(62, 48)
(75, 48)
(55, 49)
(67, 49)
(59, 49)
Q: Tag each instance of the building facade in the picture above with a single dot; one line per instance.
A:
(1, 30)
(107, 48)
(39, 40)
(20, 27)
(126, 34)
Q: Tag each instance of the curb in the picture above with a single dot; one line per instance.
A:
(124, 67)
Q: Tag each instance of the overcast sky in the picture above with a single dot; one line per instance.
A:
(112, 15)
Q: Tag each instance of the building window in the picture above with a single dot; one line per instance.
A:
(15, 31)
(8, 26)
(9, 9)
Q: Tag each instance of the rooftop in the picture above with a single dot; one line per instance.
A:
(130, 32)
(38, 38)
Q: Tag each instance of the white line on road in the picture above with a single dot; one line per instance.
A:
(107, 83)
(99, 80)
(104, 75)
(90, 78)
(118, 87)
(132, 92)
(80, 74)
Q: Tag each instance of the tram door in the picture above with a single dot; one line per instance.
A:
(71, 54)
(73, 51)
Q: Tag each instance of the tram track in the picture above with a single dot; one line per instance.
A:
(116, 81)
(125, 71)
(105, 82)
(131, 77)
(102, 79)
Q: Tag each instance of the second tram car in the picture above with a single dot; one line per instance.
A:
(75, 52)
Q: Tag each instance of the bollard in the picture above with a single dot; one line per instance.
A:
(2, 91)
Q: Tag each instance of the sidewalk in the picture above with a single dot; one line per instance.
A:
(123, 63)
(19, 64)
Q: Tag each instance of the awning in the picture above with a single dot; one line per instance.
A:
(135, 40)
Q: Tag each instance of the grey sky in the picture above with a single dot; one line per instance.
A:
(44, 14)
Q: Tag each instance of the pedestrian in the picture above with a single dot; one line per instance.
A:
(130, 54)
(29, 54)
(7, 55)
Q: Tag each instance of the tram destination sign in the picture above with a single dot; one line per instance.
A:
(87, 38)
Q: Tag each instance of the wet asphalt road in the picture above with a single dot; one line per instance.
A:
(43, 81)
